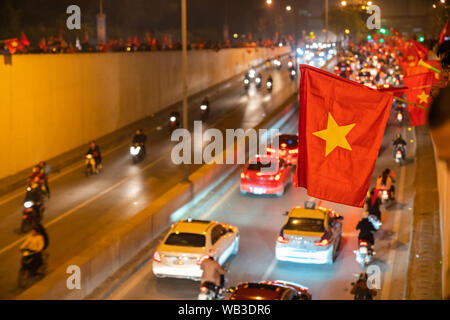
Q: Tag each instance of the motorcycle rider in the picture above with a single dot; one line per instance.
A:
(35, 243)
(94, 150)
(386, 181)
(140, 138)
(360, 289)
(44, 172)
(213, 273)
(366, 231)
(400, 142)
(373, 203)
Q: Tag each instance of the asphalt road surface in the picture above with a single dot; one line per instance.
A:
(82, 210)
(259, 219)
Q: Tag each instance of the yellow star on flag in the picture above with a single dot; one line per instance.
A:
(423, 97)
(334, 135)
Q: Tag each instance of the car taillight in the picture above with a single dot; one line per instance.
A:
(157, 256)
(294, 151)
(321, 243)
(242, 175)
(363, 244)
(282, 239)
(283, 145)
(277, 177)
(202, 259)
(203, 289)
(270, 150)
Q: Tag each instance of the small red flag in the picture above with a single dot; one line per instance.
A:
(419, 89)
(12, 45)
(341, 127)
(421, 50)
(24, 40)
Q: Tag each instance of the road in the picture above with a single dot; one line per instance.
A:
(82, 210)
(259, 219)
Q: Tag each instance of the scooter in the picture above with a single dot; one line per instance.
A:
(269, 86)
(399, 155)
(204, 111)
(258, 82)
(364, 254)
(399, 117)
(174, 121)
(90, 165)
(293, 74)
(28, 270)
(137, 152)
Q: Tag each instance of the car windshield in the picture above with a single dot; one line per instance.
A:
(305, 224)
(186, 240)
(258, 165)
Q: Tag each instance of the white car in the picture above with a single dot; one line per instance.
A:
(189, 243)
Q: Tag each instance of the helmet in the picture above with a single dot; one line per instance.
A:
(365, 215)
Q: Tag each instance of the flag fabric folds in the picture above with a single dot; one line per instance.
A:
(341, 127)
(419, 89)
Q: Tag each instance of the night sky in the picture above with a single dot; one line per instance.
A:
(206, 18)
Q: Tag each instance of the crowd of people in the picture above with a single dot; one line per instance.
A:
(57, 44)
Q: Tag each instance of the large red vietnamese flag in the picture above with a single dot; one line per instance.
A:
(419, 89)
(340, 131)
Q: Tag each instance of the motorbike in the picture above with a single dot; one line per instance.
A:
(174, 121)
(90, 165)
(293, 74)
(33, 209)
(209, 291)
(204, 111)
(364, 253)
(399, 117)
(269, 85)
(28, 269)
(385, 196)
(258, 81)
(246, 84)
(399, 154)
(137, 152)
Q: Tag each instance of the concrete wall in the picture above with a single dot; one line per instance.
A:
(50, 104)
(443, 175)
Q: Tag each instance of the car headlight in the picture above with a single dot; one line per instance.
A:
(246, 81)
(173, 119)
(258, 80)
(203, 107)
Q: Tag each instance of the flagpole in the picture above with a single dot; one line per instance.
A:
(409, 102)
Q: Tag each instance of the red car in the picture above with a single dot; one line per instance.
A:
(288, 148)
(269, 290)
(259, 177)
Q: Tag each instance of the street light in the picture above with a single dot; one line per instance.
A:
(269, 2)
(288, 8)
(434, 6)
(347, 31)
(343, 3)
(443, 1)
(369, 3)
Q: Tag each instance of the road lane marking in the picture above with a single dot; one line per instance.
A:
(269, 270)
(386, 289)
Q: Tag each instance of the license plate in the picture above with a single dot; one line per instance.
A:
(258, 190)
(179, 262)
(363, 250)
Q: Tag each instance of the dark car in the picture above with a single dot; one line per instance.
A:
(269, 290)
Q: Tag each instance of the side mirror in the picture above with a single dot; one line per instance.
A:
(341, 218)
(352, 283)
(285, 213)
(230, 230)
